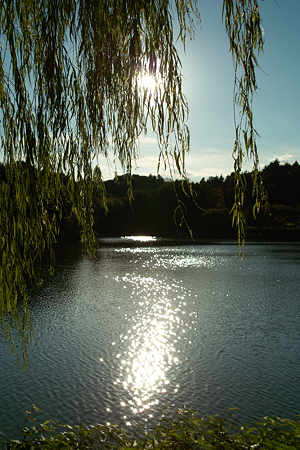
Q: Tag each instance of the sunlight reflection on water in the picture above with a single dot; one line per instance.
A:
(139, 238)
(159, 258)
(158, 324)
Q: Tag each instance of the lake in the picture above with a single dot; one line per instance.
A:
(146, 325)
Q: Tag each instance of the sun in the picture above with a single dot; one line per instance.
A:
(148, 82)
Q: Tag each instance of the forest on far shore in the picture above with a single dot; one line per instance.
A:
(154, 206)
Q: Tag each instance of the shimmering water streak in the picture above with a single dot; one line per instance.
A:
(156, 327)
(177, 257)
(139, 238)
(160, 323)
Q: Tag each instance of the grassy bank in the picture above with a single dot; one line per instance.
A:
(182, 430)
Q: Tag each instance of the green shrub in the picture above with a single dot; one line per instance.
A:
(182, 430)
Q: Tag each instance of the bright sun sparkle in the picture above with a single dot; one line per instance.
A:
(148, 82)
(151, 343)
(140, 238)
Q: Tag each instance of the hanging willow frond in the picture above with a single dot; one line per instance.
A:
(69, 90)
(244, 28)
(69, 86)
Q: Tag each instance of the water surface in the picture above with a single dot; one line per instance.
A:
(145, 327)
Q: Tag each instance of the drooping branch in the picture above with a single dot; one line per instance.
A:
(68, 89)
(244, 28)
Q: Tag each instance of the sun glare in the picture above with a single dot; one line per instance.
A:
(148, 82)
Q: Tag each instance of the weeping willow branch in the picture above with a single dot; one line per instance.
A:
(69, 91)
(244, 28)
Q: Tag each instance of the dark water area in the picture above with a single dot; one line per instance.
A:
(147, 325)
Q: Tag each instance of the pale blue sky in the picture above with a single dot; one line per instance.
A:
(208, 85)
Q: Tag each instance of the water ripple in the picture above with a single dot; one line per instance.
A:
(151, 349)
(146, 327)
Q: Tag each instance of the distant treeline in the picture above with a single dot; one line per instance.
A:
(154, 211)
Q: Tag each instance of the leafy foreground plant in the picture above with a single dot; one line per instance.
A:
(181, 430)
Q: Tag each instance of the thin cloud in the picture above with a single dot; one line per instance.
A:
(287, 158)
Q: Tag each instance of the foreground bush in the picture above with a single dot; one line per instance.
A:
(181, 431)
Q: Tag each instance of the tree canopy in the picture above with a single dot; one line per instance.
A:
(155, 204)
(69, 89)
